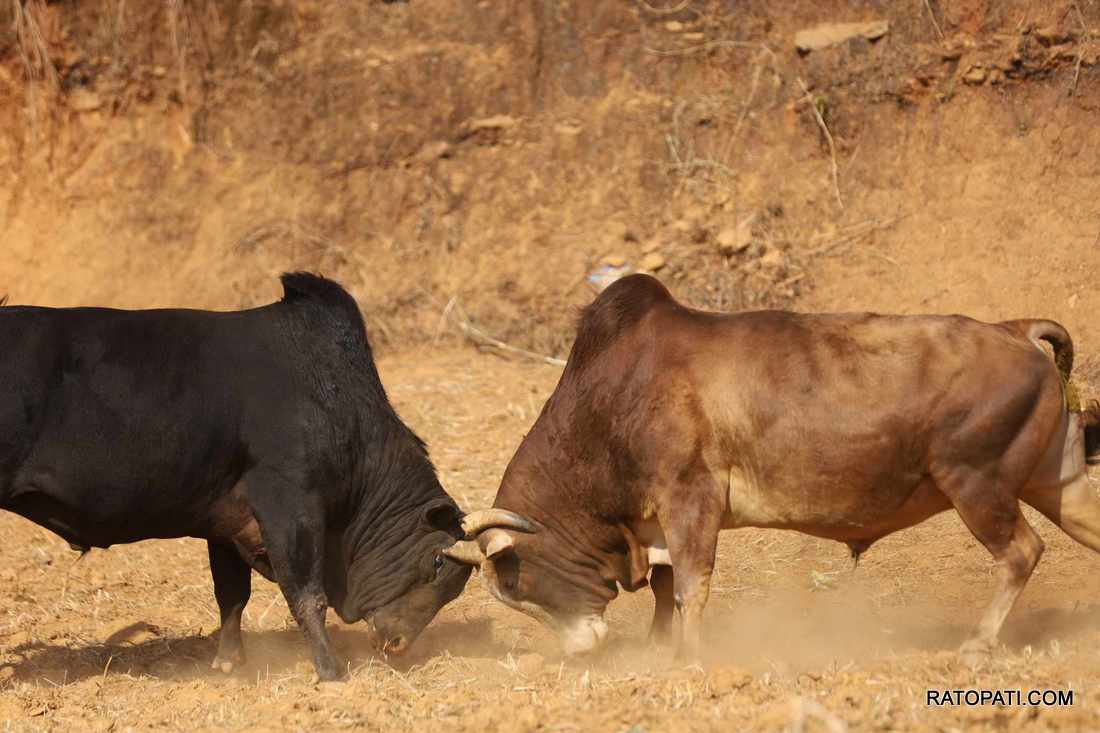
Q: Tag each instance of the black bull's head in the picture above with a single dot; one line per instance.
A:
(399, 590)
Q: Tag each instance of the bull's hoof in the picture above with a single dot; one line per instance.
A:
(976, 652)
(329, 671)
(226, 666)
(660, 637)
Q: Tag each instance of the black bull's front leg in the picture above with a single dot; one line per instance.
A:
(292, 523)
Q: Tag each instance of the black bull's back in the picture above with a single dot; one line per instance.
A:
(118, 426)
(266, 432)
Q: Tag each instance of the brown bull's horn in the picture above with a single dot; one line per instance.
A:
(475, 522)
(466, 552)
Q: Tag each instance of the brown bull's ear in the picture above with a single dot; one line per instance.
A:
(496, 541)
(443, 515)
(637, 562)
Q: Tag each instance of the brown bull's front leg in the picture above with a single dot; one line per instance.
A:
(661, 582)
(692, 535)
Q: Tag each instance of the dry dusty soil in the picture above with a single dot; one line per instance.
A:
(796, 639)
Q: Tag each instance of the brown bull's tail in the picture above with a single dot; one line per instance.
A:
(1090, 421)
(1038, 329)
(1055, 334)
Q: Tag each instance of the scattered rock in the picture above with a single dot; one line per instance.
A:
(84, 100)
(530, 664)
(674, 26)
(694, 37)
(571, 129)
(681, 225)
(41, 557)
(773, 259)
(620, 232)
(160, 72)
(603, 276)
(496, 122)
(433, 151)
(975, 75)
(996, 76)
(734, 240)
(614, 260)
(831, 34)
(652, 262)
(651, 246)
(1051, 35)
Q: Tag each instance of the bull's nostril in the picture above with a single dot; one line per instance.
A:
(397, 645)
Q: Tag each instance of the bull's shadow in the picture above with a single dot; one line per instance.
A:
(282, 653)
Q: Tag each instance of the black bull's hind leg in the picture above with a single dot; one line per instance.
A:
(232, 588)
(292, 523)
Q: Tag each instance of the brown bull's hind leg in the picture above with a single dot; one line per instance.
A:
(661, 582)
(1074, 507)
(232, 588)
(995, 519)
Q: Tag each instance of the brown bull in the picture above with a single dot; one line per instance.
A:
(670, 424)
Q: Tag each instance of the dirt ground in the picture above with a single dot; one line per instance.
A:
(490, 155)
(121, 639)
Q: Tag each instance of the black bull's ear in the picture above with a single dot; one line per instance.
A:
(442, 515)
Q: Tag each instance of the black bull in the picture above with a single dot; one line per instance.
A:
(266, 432)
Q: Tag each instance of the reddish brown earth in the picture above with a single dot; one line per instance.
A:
(492, 154)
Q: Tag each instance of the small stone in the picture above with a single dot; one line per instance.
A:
(496, 122)
(976, 75)
(674, 26)
(773, 258)
(651, 246)
(84, 100)
(652, 262)
(41, 557)
(681, 225)
(434, 151)
(160, 72)
(530, 664)
(617, 231)
(614, 260)
(996, 76)
(1051, 35)
(832, 34)
(694, 37)
(735, 240)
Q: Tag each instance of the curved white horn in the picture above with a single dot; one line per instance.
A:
(475, 522)
(466, 552)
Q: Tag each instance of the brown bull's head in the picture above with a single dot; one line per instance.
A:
(536, 573)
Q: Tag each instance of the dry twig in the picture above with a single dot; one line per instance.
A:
(707, 46)
(457, 316)
(828, 137)
(932, 15)
(664, 11)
